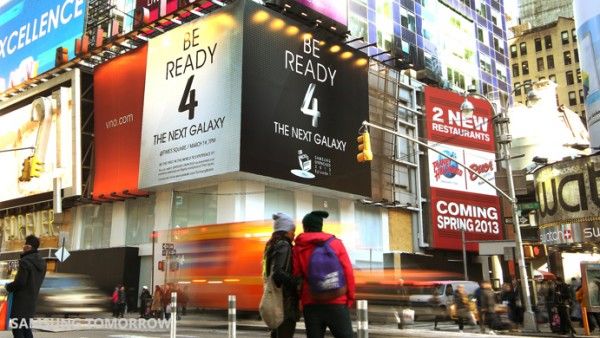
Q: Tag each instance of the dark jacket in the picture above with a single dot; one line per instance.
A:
(279, 264)
(488, 300)
(27, 283)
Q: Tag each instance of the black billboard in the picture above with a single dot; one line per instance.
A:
(303, 101)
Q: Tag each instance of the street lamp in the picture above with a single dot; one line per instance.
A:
(529, 322)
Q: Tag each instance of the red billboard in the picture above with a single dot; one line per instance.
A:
(446, 124)
(118, 105)
(460, 201)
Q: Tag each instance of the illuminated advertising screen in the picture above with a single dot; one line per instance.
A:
(460, 200)
(336, 10)
(191, 122)
(304, 100)
(587, 19)
(30, 33)
(118, 104)
(52, 136)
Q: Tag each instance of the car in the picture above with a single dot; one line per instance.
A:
(70, 294)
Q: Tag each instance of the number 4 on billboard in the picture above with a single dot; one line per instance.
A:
(314, 108)
(188, 100)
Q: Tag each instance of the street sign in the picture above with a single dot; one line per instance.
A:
(62, 254)
(528, 206)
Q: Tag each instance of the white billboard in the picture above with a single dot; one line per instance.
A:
(445, 173)
(192, 102)
(47, 126)
(587, 19)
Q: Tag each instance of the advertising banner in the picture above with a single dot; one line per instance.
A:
(336, 10)
(304, 101)
(30, 33)
(447, 174)
(446, 124)
(191, 123)
(587, 20)
(53, 135)
(460, 200)
(568, 191)
(118, 104)
(453, 212)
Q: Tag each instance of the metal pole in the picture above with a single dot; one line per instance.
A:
(362, 324)
(231, 317)
(464, 252)
(529, 322)
(173, 314)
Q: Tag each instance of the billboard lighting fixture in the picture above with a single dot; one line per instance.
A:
(142, 37)
(217, 2)
(378, 54)
(196, 13)
(319, 21)
(354, 40)
(287, 6)
(176, 21)
(304, 14)
(159, 29)
(333, 28)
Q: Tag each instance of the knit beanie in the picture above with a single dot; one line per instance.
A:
(283, 222)
(33, 241)
(313, 221)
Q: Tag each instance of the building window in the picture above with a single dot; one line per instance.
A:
(407, 19)
(523, 48)
(96, 223)
(569, 76)
(567, 58)
(542, 78)
(385, 24)
(513, 51)
(515, 69)
(581, 98)
(574, 35)
(501, 72)
(358, 26)
(527, 86)
(552, 78)
(369, 225)
(331, 205)
(578, 75)
(140, 220)
(485, 63)
(195, 207)
(550, 61)
(517, 88)
(540, 64)
(279, 200)
(481, 37)
(482, 10)
(498, 45)
(525, 68)
(576, 55)
(538, 45)
(572, 99)
(495, 17)
(564, 36)
(548, 41)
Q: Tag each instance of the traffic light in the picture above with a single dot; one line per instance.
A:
(36, 167)
(364, 146)
(534, 251)
(26, 173)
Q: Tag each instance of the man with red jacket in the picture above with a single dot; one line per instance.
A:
(320, 312)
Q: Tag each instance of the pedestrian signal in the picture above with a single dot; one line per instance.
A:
(36, 167)
(364, 148)
(26, 172)
(161, 265)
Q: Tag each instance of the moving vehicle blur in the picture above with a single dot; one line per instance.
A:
(70, 294)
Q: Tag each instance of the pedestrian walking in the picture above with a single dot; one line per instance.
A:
(277, 262)
(184, 300)
(328, 291)
(145, 302)
(461, 302)
(157, 299)
(436, 307)
(122, 302)
(509, 298)
(26, 287)
(487, 312)
(115, 301)
(563, 299)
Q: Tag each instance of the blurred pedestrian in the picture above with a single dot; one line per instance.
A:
(277, 262)
(184, 300)
(26, 287)
(563, 302)
(509, 298)
(487, 314)
(145, 302)
(461, 302)
(157, 299)
(326, 295)
(436, 307)
(122, 301)
(115, 301)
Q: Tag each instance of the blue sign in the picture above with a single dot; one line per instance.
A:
(30, 33)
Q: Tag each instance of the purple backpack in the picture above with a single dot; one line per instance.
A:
(326, 276)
